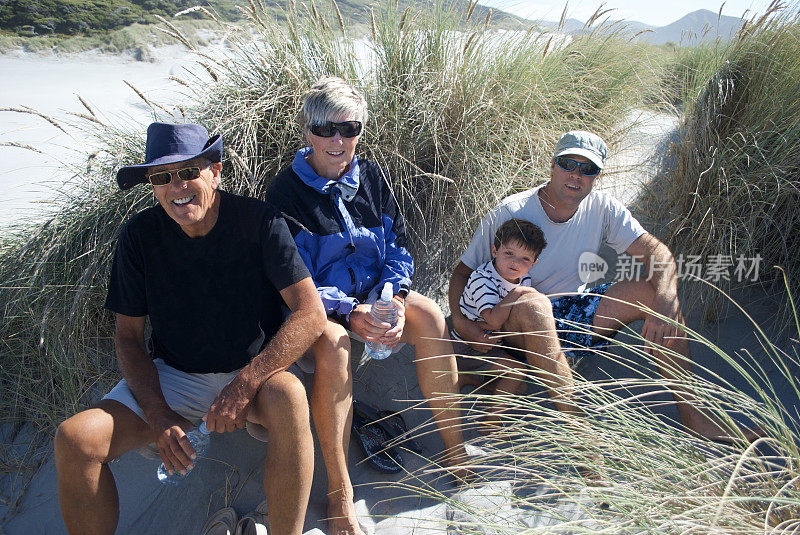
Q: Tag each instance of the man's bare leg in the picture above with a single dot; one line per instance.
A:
(84, 445)
(332, 408)
(615, 311)
(532, 317)
(281, 407)
(437, 372)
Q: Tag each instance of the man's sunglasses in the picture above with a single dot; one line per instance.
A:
(163, 178)
(329, 129)
(585, 168)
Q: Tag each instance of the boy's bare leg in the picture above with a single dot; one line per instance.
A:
(281, 407)
(332, 408)
(84, 445)
(437, 373)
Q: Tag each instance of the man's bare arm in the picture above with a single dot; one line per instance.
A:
(140, 373)
(663, 277)
(469, 330)
(301, 329)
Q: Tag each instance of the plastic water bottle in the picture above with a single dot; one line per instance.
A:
(199, 438)
(384, 309)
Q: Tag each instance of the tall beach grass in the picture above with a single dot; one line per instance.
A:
(733, 186)
(622, 467)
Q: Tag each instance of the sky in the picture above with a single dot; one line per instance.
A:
(656, 13)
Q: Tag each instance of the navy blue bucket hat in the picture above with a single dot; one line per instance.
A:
(171, 143)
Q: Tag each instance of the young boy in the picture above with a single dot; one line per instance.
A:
(516, 248)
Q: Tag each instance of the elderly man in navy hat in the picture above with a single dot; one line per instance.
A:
(564, 313)
(212, 271)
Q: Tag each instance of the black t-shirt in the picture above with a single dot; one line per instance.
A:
(205, 295)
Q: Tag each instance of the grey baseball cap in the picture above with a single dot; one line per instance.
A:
(582, 143)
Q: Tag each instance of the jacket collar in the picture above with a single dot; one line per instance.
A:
(347, 185)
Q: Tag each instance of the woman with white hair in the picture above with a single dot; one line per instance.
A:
(348, 228)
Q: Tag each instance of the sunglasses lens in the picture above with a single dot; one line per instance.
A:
(589, 169)
(349, 128)
(159, 179)
(189, 174)
(566, 164)
(323, 130)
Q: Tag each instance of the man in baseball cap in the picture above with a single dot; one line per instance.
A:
(576, 220)
(212, 271)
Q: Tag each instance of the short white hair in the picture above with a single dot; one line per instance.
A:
(329, 97)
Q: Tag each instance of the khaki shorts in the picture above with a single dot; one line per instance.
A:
(188, 394)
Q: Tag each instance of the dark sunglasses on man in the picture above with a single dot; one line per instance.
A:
(585, 168)
(329, 129)
(162, 178)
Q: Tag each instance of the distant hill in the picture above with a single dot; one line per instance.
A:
(71, 17)
(696, 27)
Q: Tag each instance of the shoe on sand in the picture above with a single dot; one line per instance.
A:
(223, 522)
(373, 440)
(248, 526)
(395, 425)
(255, 522)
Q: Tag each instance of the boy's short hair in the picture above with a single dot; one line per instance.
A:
(522, 232)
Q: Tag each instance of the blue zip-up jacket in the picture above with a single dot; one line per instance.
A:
(349, 232)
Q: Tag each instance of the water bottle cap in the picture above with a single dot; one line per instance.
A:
(386, 293)
(203, 429)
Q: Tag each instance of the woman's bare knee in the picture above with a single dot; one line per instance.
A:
(332, 349)
(424, 315)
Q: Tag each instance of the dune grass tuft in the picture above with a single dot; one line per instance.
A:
(622, 466)
(733, 188)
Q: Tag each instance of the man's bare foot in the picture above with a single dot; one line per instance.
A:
(342, 518)
(710, 428)
(456, 461)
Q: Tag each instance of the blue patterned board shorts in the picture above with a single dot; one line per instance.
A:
(574, 315)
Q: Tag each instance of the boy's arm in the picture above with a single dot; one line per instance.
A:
(470, 331)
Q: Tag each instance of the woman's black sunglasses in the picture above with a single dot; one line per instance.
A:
(586, 168)
(329, 129)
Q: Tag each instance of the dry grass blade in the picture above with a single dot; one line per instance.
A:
(31, 111)
(563, 18)
(254, 15)
(596, 15)
(86, 105)
(174, 32)
(19, 146)
(338, 16)
(471, 8)
(91, 118)
(198, 9)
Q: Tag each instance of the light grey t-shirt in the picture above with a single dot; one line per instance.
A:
(600, 219)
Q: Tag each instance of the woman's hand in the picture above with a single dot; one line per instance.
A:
(363, 324)
(392, 337)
